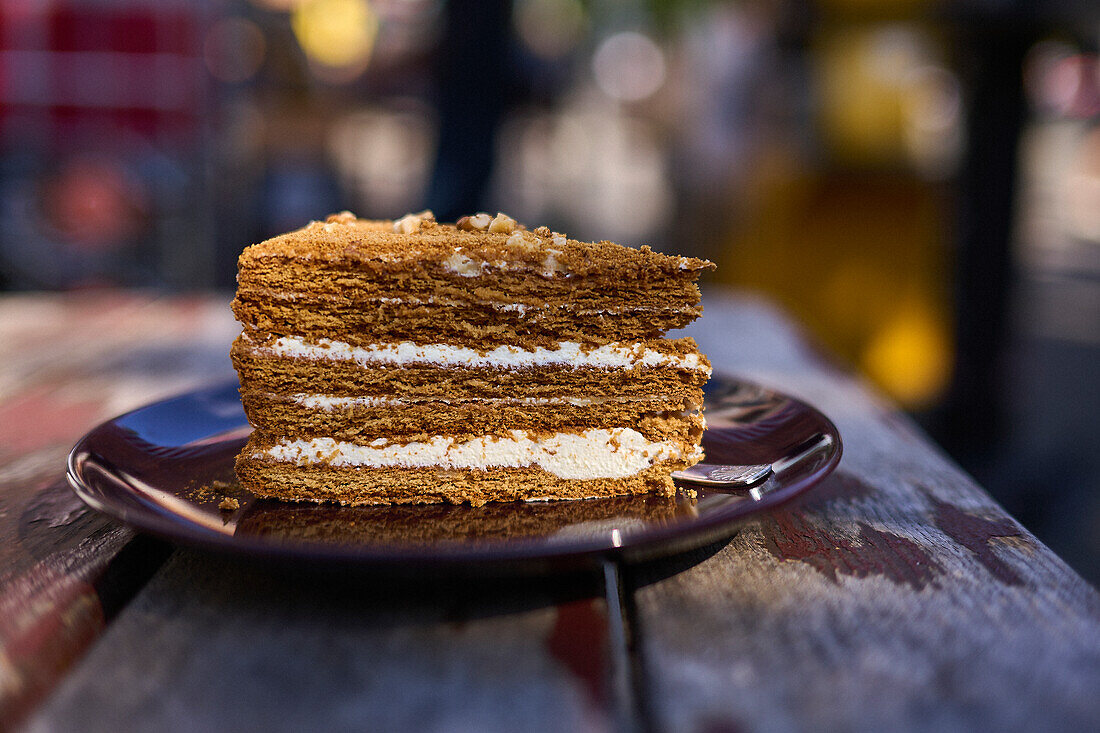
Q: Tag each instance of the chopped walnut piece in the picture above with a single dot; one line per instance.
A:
(477, 223)
(502, 224)
(229, 504)
(411, 223)
(460, 264)
(344, 217)
(519, 239)
(551, 266)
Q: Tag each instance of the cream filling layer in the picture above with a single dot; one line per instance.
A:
(593, 454)
(567, 353)
(330, 402)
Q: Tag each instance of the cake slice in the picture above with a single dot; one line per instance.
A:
(387, 362)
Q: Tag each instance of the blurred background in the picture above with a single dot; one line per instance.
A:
(917, 182)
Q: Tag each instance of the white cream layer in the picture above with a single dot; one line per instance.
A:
(404, 353)
(593, 454)
(330, 402)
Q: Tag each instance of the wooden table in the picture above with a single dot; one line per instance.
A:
(895, 596)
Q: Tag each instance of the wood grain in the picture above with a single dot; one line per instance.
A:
(212, 644)
(895, 596)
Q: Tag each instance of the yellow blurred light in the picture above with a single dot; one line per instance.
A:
(866, 81)
(910, 356)
(335, 33)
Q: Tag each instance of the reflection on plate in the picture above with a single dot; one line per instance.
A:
(167, 469)
(438, 523)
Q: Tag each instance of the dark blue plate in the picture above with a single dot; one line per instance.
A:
(165, 468)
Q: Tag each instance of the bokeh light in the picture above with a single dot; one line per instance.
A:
(1050, 82)
(932, 120)
(336, 34)
(384, 156)
(94, 203)
(910, 355)
(872, 82)
(629, 66)
(1081, 189)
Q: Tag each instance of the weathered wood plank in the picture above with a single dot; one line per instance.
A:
(67, 363)
(213, 644)
(895, 596)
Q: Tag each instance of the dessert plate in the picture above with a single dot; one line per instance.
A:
(167, 469)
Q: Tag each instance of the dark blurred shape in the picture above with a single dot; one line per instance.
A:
(473, 85)
(991, 56)
(1024, 414)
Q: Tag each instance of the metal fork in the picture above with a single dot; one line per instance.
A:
(711, 474)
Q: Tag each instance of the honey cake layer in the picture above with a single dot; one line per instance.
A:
(298, 281)
(294, 376)
(351, 276)
(358, 418)
(376, 249)
(371, 486)
(385, 320)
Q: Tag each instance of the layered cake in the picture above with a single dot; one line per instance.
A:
(408, 361)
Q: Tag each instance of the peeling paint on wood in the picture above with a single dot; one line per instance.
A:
(803, 532)
(975, 534)
(793, 536)
(579, 641)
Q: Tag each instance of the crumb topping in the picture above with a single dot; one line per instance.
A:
(473, 245)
